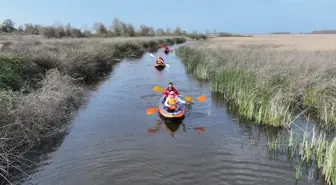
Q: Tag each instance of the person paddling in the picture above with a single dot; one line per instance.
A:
(162, 46)
(166, 49)
(172, 102)
(169, 89)
(159, 60)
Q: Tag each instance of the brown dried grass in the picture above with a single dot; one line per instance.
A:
(268, 77)
(60, 67)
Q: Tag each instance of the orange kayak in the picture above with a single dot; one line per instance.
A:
(179, 113)
(160, 66)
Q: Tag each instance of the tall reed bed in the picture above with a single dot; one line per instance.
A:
(269, 84)
(310, 148)
(273, 81)
(42, 83)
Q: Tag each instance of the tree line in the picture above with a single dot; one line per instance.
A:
(117, 28)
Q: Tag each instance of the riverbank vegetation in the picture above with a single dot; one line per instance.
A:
(42, 83)
(273, 80)
(270, 79)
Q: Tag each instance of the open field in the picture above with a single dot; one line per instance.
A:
(42, 82)
(307, 42)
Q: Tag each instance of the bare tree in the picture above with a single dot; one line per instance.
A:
(160, 32)
(130, 31)
(177, 31)
(100, 28)
(168, 32)
(116, 27)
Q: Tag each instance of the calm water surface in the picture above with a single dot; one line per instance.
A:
(109, 143)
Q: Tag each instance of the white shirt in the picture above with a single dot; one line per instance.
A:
(178, 100)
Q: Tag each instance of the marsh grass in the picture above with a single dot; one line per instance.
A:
(273, 81)
(42, 84)
(310, 149)
(270, 86)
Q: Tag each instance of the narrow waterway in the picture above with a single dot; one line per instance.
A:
(109, 142)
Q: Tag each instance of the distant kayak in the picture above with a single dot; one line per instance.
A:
(160, 66)
(167, 51)
(178, 113)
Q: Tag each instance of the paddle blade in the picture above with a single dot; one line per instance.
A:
(151, 110)
(199, 130)
(167, 65)
(201, 98)
(158, 89)
(188, 98)
(152, 130)
(151, 55)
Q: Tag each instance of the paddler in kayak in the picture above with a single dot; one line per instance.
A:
(161, 46)
(166, 50)
(172, 102)
(159, 60)
(169, 89)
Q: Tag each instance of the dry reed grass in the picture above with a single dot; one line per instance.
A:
(49, 76)
(269, 82)
(272, 80)
(316, 42)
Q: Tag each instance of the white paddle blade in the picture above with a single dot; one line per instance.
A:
(151, 55)
(167, 65)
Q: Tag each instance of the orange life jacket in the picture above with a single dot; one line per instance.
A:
(158, 61)
(172, 101)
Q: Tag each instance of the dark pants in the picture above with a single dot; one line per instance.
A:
(177, 108)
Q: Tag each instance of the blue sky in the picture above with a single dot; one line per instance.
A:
(239, 16)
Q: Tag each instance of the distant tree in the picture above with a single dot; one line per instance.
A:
(87, 33)
(68, 30)
(144, 30)
(8, 25)
(130, 31)
(177, 31)
(151, 31)
(116, 27)
(59, 31)
(168, 32)
(32, 29)
(100, 29)
(49, 32)
(76, 33)
(160, 32)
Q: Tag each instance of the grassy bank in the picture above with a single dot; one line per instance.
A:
(270, 83)
(42, 82)
(272, 80)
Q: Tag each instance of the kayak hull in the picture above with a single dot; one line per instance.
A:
(159, 66)
(179, 113)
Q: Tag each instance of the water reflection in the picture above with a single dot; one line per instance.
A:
(172, 126)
